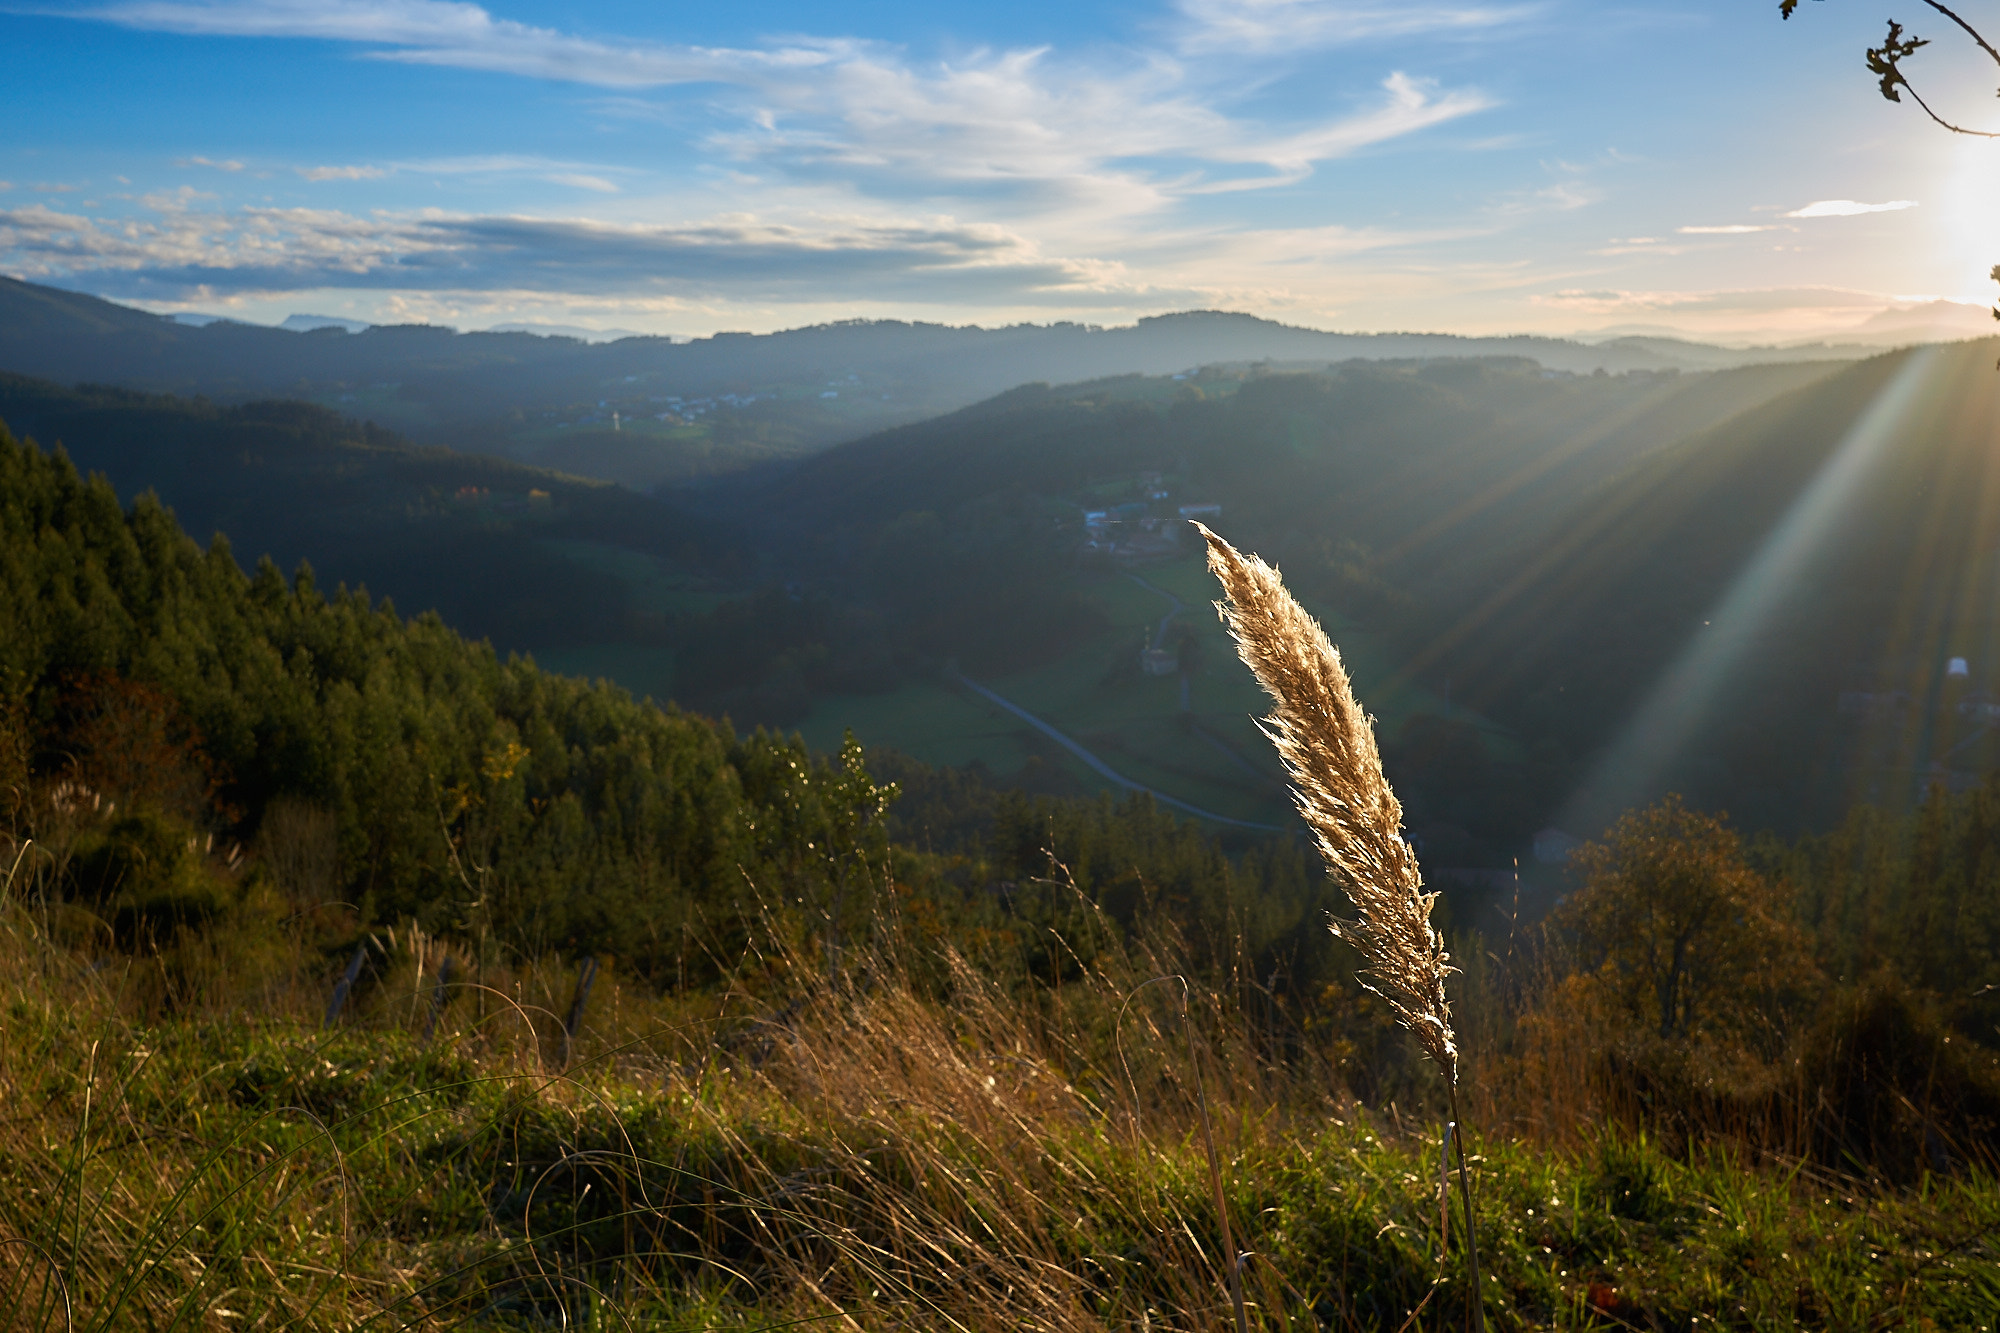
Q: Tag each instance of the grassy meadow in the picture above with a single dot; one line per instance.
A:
(195, 1147)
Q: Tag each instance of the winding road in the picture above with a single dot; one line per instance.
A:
(1098, 766)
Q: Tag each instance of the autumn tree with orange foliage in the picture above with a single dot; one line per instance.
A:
(1674, 938)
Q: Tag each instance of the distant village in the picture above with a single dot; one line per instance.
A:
(1147, 528)
(686, 410)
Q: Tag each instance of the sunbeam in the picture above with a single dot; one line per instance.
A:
(1674, 714)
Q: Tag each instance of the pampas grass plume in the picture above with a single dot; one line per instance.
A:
(1328, 746)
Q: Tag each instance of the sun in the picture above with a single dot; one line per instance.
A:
(1967, 216)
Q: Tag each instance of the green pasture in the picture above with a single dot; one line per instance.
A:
(532, 438)
(654, 584)
(382, 404)
(937, 723)
(646, 672)
(1096, 695)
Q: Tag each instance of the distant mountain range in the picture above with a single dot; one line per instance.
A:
(481, 390)
(310, 323)
(580, 332)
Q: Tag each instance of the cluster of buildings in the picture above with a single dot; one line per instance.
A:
(1143, 530)
(693, 409)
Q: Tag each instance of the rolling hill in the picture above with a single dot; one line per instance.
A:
(647, 411)
(502, 551)
(1782, 614)
(1561, 593)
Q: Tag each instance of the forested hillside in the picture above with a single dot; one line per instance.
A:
(156, 697)
(435, 778)
(1786, 593)
(478, 539)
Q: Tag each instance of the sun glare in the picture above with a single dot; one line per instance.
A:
(1967, 217)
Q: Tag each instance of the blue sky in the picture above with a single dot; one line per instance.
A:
(1457, 165)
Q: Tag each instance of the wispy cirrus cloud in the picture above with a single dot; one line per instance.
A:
(1264, 27)
(1755, 300)
(1124, 132)
(577, 175)
(342, 173)
(1410, 105)
(1726, 229)
(449, 32)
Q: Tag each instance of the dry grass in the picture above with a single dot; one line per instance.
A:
(928, 1147)
(886, 1156)
(867, 1156)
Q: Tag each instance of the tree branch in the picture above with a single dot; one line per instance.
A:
(1955, 129)
(1971, 32)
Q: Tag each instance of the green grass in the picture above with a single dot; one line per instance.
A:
(383, 405)
(654, 584)
(643, 428)
(933, 722)
(893, 1167)
(1092, 693)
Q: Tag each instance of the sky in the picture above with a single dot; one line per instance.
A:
(1467, 166)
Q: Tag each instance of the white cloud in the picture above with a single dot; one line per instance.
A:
(1411, 106)
(446, 32)
(575, 175)
(1729, 229)
(1847, 208)
(342, 173)
(1266, 27)
(1108, 135)
(582, 181)
(230, 164)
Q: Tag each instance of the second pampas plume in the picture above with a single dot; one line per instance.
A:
(1328, 745)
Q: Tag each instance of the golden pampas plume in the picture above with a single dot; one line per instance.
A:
(1328, 746)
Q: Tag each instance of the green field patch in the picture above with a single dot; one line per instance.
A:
(654, 584)
(1372, 662)
(930, 721)
(645, 672)
(532, 439)
(1217, 759)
